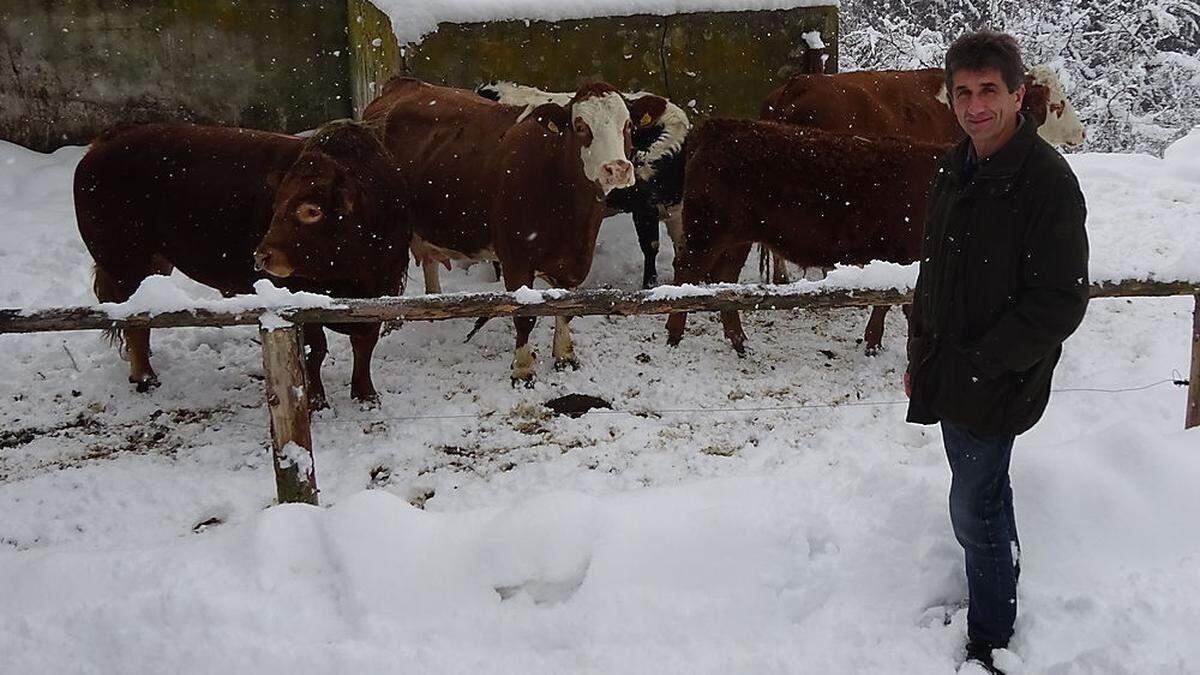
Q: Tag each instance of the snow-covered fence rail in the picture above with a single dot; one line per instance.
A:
(286, 392)
(662, 300)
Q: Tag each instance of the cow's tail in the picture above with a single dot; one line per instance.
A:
(106, 289)
(478, 324)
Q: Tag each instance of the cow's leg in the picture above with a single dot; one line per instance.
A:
(691, 266)
(523, 358)
(116, 283)
(873, 335)
(673, 217)
(362, 340)
(564, 346)
(315, 349)
(779, 273)
(728, 270)
(433, 280)
(645, 221)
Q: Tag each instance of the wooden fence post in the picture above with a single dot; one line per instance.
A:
(287, 399)
(1193, 409)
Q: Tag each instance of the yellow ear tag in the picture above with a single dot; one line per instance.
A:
(552, 127)
(645, 120)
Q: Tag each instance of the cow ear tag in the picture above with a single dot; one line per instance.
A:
(645, 120)
(552, 127)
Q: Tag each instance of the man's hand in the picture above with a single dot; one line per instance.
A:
(907, 385)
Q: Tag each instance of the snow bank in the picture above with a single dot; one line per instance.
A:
(1143, 212)
(413, 19)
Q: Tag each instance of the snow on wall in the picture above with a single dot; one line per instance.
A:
(413, 19)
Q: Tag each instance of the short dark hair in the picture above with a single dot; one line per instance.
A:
(986, 50)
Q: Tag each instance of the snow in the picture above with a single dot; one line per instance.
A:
(813, 39)
(160, 294)
(414, 19)
(767, 514)
(293, 454)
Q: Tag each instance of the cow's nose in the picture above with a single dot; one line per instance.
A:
(261, 260)
(617, 173)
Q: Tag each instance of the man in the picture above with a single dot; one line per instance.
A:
(1003, 282)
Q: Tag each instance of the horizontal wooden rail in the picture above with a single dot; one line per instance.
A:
(554, 303)
(291, 437)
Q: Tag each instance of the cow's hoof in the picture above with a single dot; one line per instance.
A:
(563, 364)
(649, 282)
(317, 402)
(370, 402)
(871, 350)
(145, 384)
(673, 341)
(740, 349)
(526, 382)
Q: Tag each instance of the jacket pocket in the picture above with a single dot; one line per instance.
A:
(967, 397)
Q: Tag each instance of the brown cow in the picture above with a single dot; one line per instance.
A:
(813, 197)
(523, 185)
(327, 215)
(910, 104)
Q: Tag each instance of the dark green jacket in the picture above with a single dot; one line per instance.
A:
(1003, 282)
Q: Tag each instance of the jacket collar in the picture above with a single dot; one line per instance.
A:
(1004, 163)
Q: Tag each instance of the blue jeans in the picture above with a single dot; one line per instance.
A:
(981, 511)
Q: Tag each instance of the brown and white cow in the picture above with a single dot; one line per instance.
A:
(525, 186)
(659, 133)
(815, 198)
(909, 104)
(226, 206)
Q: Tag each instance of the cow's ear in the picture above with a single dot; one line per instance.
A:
(553, 116)
(346, 193)
(1035, 103)
(645, 110)
(275, 178)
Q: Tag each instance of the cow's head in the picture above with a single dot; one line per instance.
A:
(1060, 124)
(339, 211)
(596, 120)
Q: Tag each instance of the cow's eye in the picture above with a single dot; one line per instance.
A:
(308, 213)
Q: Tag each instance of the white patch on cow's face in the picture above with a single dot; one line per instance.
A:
(604, 160)
(1062, 126)
(943, 97)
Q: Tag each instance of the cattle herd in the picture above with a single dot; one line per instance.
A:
(836, 171)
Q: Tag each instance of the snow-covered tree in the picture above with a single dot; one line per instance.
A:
(1131, 67)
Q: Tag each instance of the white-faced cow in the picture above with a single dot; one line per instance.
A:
(525, 186)
(659, 131)
(225, 206)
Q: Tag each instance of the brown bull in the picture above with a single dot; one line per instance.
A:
(813, 197)
(327, 215)
(908, 104)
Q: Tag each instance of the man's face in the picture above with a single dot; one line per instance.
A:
(986, 110)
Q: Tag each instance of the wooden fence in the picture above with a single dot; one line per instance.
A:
(287, 399)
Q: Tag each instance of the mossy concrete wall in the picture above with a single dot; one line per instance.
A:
(70, 68)
(714, 63)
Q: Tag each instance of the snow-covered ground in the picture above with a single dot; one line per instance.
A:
(464, 528)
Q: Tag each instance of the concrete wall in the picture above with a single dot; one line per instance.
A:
(70, 68)
(721, 63)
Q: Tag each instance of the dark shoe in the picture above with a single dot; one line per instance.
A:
(981, 653)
